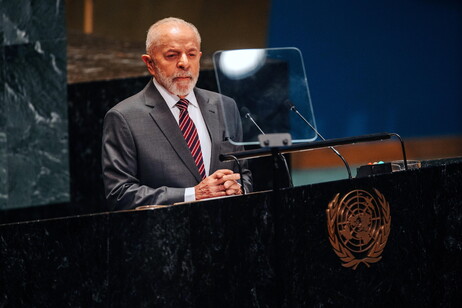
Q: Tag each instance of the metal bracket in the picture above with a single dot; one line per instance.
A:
(274, 140)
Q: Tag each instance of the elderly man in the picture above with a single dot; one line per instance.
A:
(161, 146)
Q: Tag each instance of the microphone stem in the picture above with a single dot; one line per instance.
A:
(255, 123)
(282, 157)
(347, 166)
(308, 123)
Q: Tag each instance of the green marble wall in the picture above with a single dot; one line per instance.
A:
(3, 160)
(34, 164)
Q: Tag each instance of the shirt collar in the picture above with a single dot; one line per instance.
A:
(172, 99)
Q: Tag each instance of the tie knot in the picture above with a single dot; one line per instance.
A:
(182, 104)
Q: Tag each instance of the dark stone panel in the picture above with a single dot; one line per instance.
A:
(56, 251)
(448, 221)
(35, 98)
(260, 250)
(225, 273)
(156, 270)
(2, 34)
(28, 21)
(92, 57)
(3, 171)
(409, 243)
(3, 140)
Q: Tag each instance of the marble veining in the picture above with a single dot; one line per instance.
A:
(36, 126)
(34, 161)
(3, 135)
(28, 21)
(3, 171)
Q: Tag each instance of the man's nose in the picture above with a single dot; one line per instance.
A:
(183, 61)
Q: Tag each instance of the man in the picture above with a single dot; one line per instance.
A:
(161, 146)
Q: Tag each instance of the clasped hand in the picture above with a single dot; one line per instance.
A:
(222, 182)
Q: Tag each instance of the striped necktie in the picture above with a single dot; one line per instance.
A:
(190, 135)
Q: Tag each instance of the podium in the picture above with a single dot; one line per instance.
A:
(267, 249)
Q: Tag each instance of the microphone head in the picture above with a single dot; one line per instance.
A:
(291, 106)
(245, 111)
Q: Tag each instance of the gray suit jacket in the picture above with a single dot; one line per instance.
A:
(145, 158)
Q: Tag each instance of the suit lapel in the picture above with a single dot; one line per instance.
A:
(211, 117)
(164, 119)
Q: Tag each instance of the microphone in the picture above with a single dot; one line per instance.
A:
(247, 115)
(294, 109)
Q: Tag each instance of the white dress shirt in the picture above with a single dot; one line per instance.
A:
(196, 116)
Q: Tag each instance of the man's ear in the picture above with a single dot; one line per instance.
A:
(149, 63)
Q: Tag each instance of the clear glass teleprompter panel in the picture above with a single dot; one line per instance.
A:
(264, 83)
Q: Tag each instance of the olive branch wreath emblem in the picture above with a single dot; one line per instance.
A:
(358, 227)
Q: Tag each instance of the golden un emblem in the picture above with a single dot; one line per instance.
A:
(358, 226)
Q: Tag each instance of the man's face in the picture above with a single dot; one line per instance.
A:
(174, 61)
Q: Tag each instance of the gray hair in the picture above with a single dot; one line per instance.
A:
(153, 36)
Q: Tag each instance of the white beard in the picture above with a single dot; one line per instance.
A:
(177, 88)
